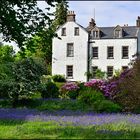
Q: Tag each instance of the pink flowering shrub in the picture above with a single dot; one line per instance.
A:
(69, 90)
(109, 89)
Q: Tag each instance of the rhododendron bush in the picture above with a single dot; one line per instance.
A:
(69, 90)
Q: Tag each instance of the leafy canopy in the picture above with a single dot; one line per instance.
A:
(21, 18)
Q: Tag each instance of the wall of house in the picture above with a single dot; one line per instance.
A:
(59, 57)
(102, 62)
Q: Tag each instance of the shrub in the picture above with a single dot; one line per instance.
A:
(5, 88)
(49, 90)
(90, 96)
(106, 106)
(108, 88)
(69, 90)
(25, 78)
(58, 78)
(46, 78)
(129, 88)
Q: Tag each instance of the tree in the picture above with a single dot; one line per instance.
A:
(21, 18)
(60, 14)
(41, 44)
(6, 53)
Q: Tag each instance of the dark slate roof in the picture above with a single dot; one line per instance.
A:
(128, 32)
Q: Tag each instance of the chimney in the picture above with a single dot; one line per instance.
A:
(92, 23)
(71, 16)
(138, 22)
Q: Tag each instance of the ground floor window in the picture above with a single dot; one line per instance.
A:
(94, 69)
(69, 71)
(109, 71)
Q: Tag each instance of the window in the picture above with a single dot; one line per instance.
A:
(70, 71)
(76, 31)
(118, 33)
(124, 68)
(95, 52)
(70, 50)
(109, 71)
(95, 34)
(110, 52)
(125, 52)
(94, 68)
(63, 32)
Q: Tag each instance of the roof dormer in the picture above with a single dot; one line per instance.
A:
(95, 33)
(118, 32)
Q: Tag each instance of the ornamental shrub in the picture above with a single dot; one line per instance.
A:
(58, 78)
(107, 106)
(46, 78)
(48, 90)
(89, 96)
(108, 88)
(129, 86)
(69, 90)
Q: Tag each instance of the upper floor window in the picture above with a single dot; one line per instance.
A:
(95, 34)
(69, 70)
(109, 71)
(76, 31)
(110, 52)
(118, 33)
(70, 50)
(95, 52)
(63, 33)
(125, 52)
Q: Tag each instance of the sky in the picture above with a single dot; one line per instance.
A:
(107, 13)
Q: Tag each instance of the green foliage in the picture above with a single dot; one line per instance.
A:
(106, 106)
(59, 84)
(64, 104)
(89, 96)
(46, 78)
(5, 87)
(100, 74)
(49, 90)
(60, 13)
(6, 53)
(117, 73)
(25, 79)
(27, 18)
(59, 78)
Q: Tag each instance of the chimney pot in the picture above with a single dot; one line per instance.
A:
(138, 22)
(71, 16)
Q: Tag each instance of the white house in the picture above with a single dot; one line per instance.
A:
(87, 49)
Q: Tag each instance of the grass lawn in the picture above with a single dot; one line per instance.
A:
(11, 129)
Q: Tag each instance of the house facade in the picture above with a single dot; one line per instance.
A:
(82, 50)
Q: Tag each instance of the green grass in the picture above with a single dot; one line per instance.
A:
(51, 130)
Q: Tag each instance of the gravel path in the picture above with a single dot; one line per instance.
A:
(75, 117)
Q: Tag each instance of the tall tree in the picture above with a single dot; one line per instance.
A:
(21, 18)
(60, 13)
(41, 44)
